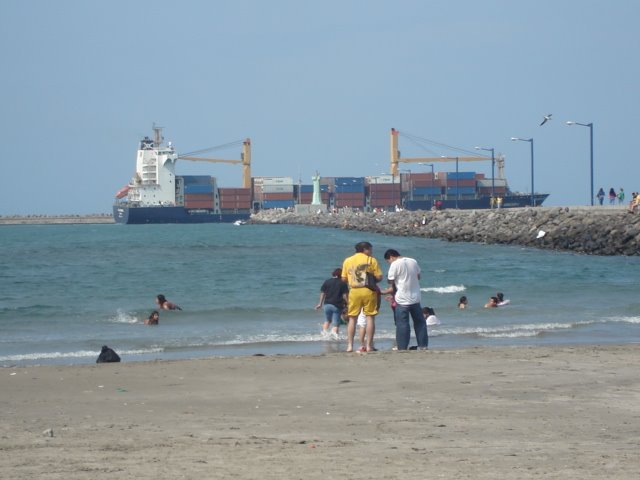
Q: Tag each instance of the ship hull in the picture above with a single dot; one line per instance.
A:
(157, 215)
(508, 201)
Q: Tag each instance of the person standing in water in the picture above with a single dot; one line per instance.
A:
(333, 297)
(404, 278)
(354, 272)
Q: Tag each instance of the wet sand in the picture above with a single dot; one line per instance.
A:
(526, 412)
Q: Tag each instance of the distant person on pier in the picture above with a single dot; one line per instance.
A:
(635, 201)
(600, 195)
(612, 196)
(165, 304)
(621, 196)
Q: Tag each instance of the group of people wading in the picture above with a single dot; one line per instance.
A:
(354, 286)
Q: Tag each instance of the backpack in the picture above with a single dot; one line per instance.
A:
(107, 355)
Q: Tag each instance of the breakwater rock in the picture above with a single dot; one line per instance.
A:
(589, 230)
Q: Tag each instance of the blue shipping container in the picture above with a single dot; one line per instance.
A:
(350, 189)
(196, 188)
(461, 176)
(346, 181)
(196, 179)
(267, 204)
(427, 191)
(461, 190)
(309, 188)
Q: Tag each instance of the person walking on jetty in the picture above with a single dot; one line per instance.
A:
(404, 277)
(333, 298)
(600, 195)
(612, 196)
(361, 295)
(621, 196)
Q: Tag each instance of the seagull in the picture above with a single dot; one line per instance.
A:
(546, 118)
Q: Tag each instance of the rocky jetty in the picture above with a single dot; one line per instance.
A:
(588, 230)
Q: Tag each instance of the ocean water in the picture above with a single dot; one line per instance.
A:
(66, 290)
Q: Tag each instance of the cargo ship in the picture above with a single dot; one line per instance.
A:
(156, 194)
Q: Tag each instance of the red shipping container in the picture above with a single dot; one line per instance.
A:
(197, 204)
(277, 196)
(198, 197)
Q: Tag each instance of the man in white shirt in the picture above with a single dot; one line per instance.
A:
(404, 278)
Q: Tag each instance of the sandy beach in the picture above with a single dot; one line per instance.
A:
(527, 412)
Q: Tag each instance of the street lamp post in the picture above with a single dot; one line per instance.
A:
(493, 175)
(410, 183)
(530, 140)
(432, 175)
(590, 125)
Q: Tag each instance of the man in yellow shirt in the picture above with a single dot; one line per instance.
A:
(361, 298)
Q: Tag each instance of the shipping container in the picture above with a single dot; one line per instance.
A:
(272, 181)
(277, 196)
(348, 181)
(268, 204)
(349, 195)
(198, 197)
(427, 191)
(197, 188)
(499, 182)
(235, 206)
(197, 179)
(308, 197)
(461, 182)
(349, 189)
(461, 191)
(309, 188)
(461, 176)
(387, 187)
(234, 191)
(382, 179)
(277, 189)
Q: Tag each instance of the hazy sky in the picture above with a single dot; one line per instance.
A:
(316, 86)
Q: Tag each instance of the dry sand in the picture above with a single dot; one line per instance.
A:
(561, 412)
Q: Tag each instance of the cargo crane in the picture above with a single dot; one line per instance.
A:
(245, 160)
(396, 158)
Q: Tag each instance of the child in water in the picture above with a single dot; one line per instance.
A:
(153, 318)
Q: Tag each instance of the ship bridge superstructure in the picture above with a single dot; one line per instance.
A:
(154, 182)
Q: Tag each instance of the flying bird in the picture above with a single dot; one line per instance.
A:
(546, 118)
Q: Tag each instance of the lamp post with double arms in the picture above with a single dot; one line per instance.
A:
(530, 140)
(590, 125)
(493, 170)
(432, 177)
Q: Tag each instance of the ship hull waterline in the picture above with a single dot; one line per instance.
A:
(158, 215)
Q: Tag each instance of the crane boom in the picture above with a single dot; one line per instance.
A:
(245, 161)
(395, 156)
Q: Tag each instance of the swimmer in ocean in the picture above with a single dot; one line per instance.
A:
(492, 303)
(153, 318)
(165, 304)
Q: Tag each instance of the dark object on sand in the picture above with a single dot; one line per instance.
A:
(107, 355)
